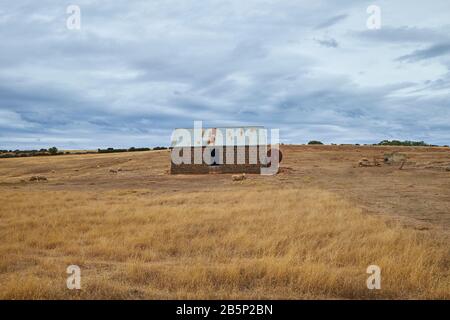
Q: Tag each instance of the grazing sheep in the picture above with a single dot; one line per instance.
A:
(364, 162)
(238, 177)
(394, 157)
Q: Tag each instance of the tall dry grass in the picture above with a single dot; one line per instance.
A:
(292, 243)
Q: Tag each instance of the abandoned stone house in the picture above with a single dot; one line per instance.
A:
(218, 150)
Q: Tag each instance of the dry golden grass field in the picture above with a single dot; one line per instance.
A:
(309, 232)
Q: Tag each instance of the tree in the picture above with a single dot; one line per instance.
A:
(53, 150)
(404, 143)
(315, 142)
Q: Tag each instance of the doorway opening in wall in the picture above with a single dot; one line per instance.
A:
(213, 158)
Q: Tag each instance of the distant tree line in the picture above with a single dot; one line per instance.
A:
(405, 143)
(53, 151)
(132, 149)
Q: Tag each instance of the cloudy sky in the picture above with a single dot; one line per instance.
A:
(137, 69)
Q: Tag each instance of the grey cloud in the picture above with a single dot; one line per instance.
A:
(330, 42)
(136, 70)
(433, 51)
(403, 34)
(331, 21)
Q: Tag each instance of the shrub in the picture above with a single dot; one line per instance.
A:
(53, 150)
(138, 149)
(111, 150)
(7, 155)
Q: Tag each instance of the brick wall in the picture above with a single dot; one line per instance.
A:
(248, 159)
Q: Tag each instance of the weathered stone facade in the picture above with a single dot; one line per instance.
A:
(248, 162)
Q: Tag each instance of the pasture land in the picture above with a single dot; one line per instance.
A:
(309, 232)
